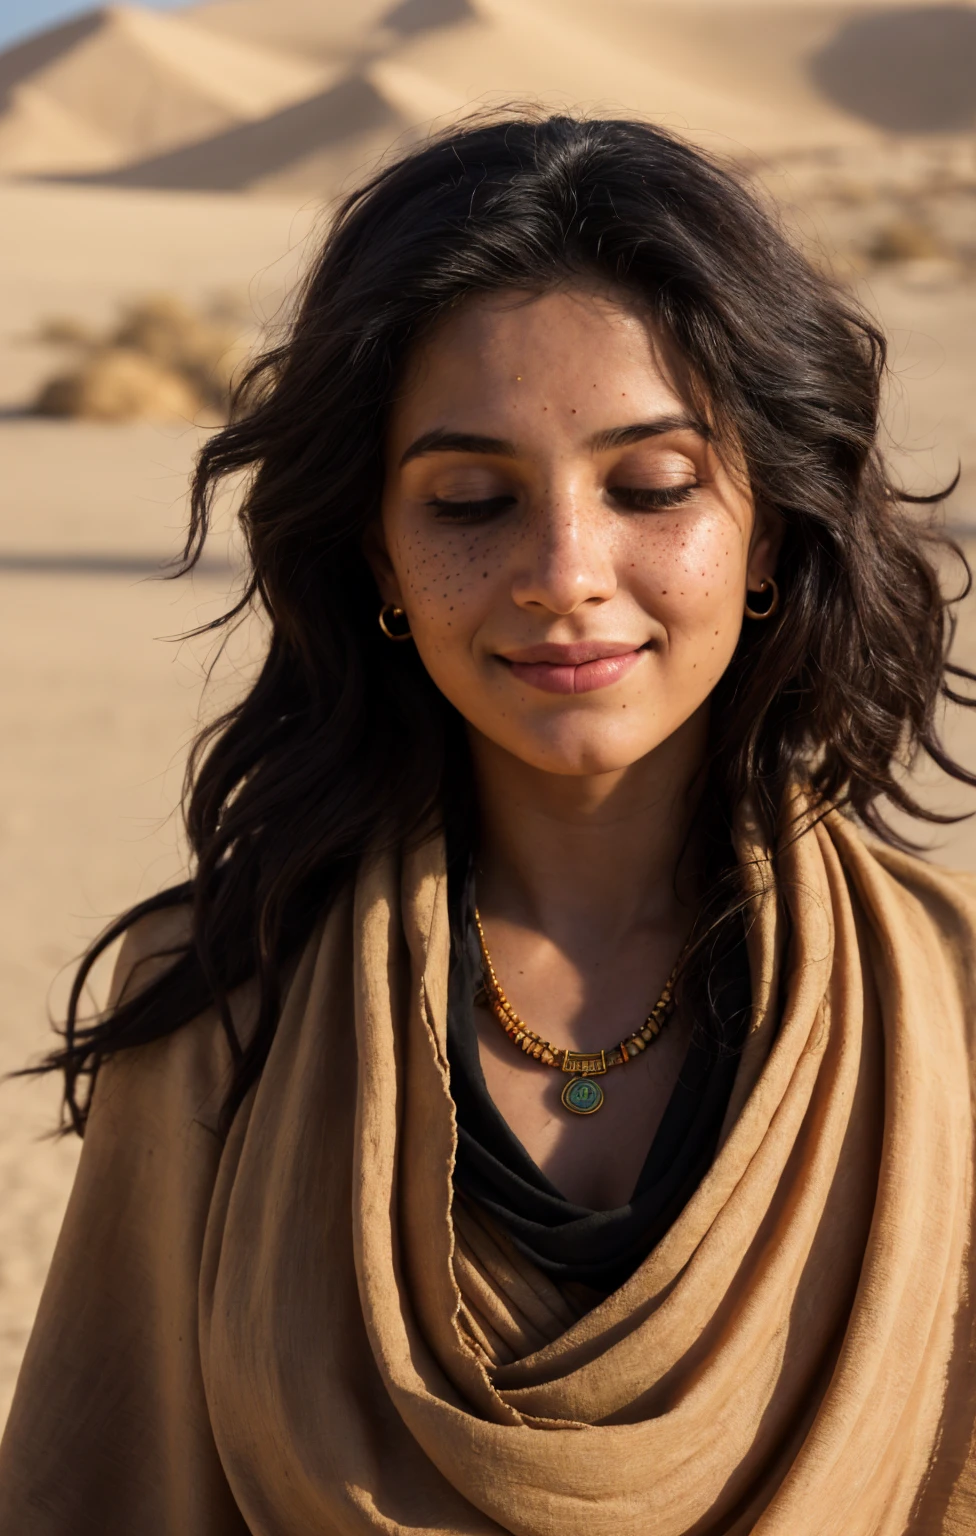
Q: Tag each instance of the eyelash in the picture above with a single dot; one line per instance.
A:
(470, 511)
(635, 500)
(658, 499)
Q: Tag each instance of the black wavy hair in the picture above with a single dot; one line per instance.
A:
(343, 741)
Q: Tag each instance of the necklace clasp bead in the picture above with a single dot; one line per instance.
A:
(585, 1062)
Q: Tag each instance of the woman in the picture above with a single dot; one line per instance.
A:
(542, 1110)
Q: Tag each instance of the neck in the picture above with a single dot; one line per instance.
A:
(587, 859)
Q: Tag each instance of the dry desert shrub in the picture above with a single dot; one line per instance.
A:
(161, 360)
(905, 239)
(197, 346)
(119, 384)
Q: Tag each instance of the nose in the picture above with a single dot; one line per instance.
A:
(565, 558)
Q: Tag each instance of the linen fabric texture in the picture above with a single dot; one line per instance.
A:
(300, 1332)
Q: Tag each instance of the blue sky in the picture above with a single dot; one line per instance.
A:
(19, 18)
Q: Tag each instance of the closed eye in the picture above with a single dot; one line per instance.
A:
(470, 511)
(650, 499)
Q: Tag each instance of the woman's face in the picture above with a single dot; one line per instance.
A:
(571, 553)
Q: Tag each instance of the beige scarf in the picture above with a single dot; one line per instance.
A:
(298, 1333)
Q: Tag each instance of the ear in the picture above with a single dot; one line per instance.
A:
(378, 559)
(764, 547)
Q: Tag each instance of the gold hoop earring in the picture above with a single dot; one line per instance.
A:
(391, 611)
(771, 607)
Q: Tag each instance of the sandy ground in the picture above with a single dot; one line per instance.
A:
(97, 702)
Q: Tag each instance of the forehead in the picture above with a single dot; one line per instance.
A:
(575, 351)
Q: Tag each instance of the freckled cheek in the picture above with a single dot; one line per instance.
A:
(448, 587)
(692, 580)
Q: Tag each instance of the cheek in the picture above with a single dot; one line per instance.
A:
(448, 582)
(694, 578)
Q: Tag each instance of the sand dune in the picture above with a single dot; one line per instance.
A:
(646, 59)
(307, 148)
(317, 28)
(776, 76)
(908, 72)
(121, 83)
(38, 134)
(295, 97)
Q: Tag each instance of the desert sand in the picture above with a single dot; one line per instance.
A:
(193, 153)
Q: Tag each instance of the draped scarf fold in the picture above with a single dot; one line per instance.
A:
(787, 1360)
(795, 1357)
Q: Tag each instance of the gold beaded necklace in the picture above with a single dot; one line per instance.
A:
(581, 1095)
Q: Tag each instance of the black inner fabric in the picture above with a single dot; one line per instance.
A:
(600, 1249)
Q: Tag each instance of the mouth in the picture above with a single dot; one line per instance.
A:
(577, 668)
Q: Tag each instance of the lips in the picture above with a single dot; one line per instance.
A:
(578, 668)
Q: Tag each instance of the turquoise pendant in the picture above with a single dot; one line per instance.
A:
(582, 1095)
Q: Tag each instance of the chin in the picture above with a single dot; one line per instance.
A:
(582, 754)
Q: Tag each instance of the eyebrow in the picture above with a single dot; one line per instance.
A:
(441, 441)
(638, 431)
